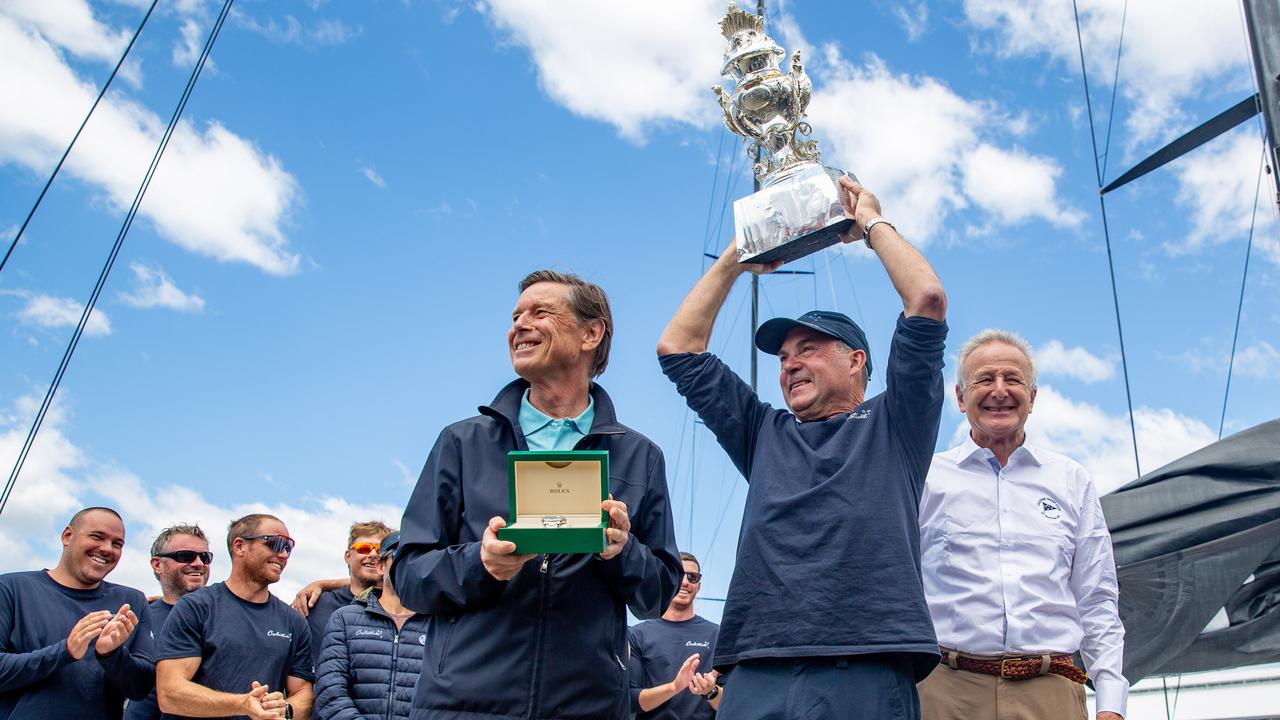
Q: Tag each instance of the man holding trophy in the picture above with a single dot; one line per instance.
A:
(825, 615)
(529, 633)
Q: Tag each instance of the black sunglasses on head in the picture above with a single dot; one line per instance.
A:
(694, 577)
(187, 556)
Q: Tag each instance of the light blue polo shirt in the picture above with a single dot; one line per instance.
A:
(543, 432)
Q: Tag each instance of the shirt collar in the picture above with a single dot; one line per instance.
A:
(970, 452)
(532, 419)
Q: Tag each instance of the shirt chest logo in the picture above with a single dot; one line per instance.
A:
(365, 632)
(695, 643)
(1049, 508)
(278, 634)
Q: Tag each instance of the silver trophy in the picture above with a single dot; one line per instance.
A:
(797, 209)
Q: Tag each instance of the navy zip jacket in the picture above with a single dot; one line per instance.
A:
(367, 667)
(552, 641)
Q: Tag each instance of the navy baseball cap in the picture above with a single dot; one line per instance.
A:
(390, 544)
(770, 336)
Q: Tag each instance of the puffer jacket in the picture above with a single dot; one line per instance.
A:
(551, 642)
(367, 669)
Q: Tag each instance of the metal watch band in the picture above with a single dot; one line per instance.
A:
(866, 229)
(715, 693)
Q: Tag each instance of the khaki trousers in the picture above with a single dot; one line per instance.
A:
(949, 694)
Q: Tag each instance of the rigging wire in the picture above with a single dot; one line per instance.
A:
(75, 137)
(111, 257)
(711, 200)
(826, 255)
(1235, 336)
(1106, 233)
(1115, 87)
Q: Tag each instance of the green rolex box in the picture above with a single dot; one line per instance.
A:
(555, 486)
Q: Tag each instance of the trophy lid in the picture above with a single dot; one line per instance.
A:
(750, 49)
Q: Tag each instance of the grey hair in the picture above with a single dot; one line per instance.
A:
(844, 349)
(993, 335)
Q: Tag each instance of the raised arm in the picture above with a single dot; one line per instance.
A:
(918, 286)
(690, 328)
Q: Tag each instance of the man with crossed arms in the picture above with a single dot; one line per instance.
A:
(1017, 560)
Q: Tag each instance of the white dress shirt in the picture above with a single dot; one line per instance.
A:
(1017, 560)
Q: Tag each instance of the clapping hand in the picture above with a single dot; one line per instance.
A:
(116, 631)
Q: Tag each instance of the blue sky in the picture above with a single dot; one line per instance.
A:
(321, 275)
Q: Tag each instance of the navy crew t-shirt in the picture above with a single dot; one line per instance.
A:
(149, 709)
(658, 649)
(237, 641)
(829, 551)
(318, 618)
(39, 678)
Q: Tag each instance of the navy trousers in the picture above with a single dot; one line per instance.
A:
(856, 687)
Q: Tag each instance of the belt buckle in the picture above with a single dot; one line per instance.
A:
(1003, 660)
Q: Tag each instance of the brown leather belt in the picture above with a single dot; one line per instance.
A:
(1014, 667)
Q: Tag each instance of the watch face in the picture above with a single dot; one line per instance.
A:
(288, 712)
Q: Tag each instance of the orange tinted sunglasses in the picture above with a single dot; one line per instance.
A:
(366, 548)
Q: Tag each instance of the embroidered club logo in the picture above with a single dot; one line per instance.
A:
(368, 633)
(1050, 508)
(694, 643)
(278, 634)
(422, 639)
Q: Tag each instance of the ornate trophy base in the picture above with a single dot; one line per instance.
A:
(796, 214)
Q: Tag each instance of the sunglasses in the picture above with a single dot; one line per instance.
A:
(366, 548)
(276, 543)
(693, 577)
(187, 556)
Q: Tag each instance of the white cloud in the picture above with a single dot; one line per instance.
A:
(70, 24)
(1217, 185)
(1102, 442)
(1054, 358)
(1015, 186)
(293, 31)
(921, 148)
(186, 52)
(214, 193)
(1159, 69)
(45, 493)
(372, 176)
(60, 478)
(632, 65)
(913, 17)
(55, 312)
(154, 288)
(1260, 360)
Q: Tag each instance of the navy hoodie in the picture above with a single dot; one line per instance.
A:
(552, 641)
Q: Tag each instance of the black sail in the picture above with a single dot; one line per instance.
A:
(1187, 538)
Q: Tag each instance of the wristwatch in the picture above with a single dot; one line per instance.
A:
(866, 229)
(715, 693)
(288, 711)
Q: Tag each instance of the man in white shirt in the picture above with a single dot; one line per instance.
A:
(1016, 559)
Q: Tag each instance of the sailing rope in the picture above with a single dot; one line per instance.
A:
(1106, 230)
(75, 137)
(111, 258)
(1235, 336)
